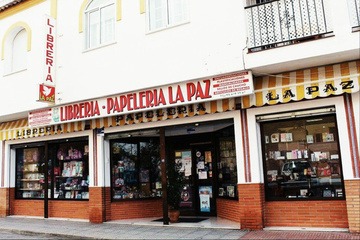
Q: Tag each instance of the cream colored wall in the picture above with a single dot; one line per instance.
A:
(212, 42)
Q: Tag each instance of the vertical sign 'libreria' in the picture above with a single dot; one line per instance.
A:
(47, 85)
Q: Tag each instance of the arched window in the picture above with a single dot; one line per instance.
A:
(15, 45)
(19, 50)
(99, 23)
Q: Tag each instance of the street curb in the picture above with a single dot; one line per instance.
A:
(57, 235)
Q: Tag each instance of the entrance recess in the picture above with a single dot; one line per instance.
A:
(198, 149)
(197, 194)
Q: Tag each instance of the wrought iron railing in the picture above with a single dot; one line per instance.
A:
(354, 8)
(282, 22)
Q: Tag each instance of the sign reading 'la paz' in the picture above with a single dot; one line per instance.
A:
(226, 86)
(309, 91)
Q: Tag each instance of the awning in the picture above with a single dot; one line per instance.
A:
(20, 129)
(304, 84)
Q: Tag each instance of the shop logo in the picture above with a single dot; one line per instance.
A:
(46, 93)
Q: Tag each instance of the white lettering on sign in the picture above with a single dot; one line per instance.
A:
(40, 118)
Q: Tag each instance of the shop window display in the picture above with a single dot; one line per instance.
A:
(30, 177)
(136, 170)
(227, 170)
(71, 177)
(302, 159)
(67, 166)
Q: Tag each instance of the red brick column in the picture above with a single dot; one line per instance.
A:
(352, 190)
(228, 209)
(4, 202)
(97, 205)
(251, 206)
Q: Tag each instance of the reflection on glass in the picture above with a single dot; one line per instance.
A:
(302, 159)
(30, 176)
(136, 170)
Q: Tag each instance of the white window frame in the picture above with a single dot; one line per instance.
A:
(87, 35)
(167, 16)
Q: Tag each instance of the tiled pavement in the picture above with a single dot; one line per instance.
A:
(86, 230)
(299, 235)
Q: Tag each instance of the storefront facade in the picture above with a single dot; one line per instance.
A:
(111, 168)
(304, 169)
(285, 156)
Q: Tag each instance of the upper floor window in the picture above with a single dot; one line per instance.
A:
(253, 2)
(15, 50)
(19, 51)
(167, 13)
(100, 23)
(354, 10)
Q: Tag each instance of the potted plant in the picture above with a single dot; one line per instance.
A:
(175, 182)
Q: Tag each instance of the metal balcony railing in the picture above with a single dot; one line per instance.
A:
(354, 9)
(281, 22)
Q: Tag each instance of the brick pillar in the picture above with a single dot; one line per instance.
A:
(97, 208)
(352, 190)
(4, 202)
(251, 204)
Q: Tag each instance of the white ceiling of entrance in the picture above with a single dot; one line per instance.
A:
(176, 130)
(203, 127)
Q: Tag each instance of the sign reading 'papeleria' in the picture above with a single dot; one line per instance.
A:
(226, 86)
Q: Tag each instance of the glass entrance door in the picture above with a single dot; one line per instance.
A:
(187, 203)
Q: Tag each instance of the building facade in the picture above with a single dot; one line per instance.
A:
(258, 100)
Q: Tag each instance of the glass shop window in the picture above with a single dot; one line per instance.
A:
(136, 169)
(226, 165)
(67, 166)
(302, 159)
(30, 177)
(70, 170)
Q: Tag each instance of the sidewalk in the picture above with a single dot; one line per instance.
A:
(86, 230)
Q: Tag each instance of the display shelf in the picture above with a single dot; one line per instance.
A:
(30, 180)
(78, 190)
(29, 189)
(69, 160)
(69, 176)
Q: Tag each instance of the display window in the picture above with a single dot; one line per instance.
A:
(136, 169)
(226, 164)
(70, 170)
(66, 164)
(227, 170)
(302, 159)
(30, 173)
